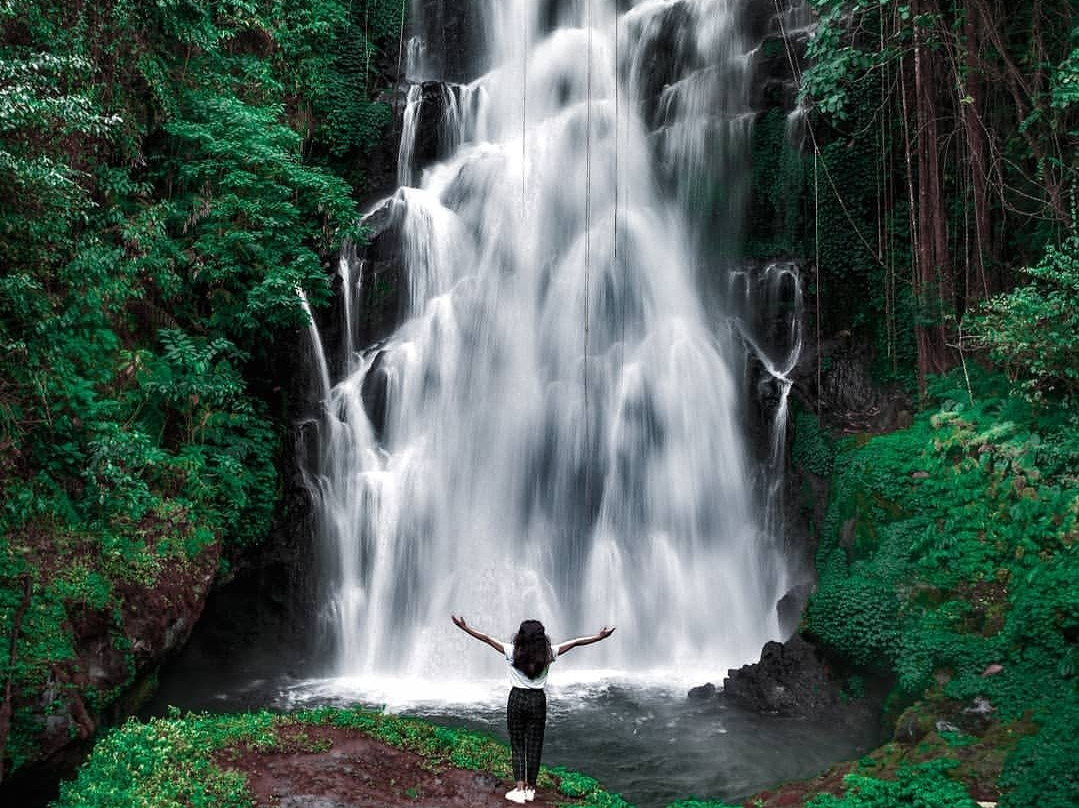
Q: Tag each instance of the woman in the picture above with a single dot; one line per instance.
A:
(529, 657)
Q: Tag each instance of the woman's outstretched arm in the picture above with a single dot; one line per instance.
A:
(479, 635)
(604, 633)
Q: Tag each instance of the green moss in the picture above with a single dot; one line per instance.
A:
(811, 448)
(776, 221)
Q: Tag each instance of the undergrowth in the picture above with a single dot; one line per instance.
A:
(948, 560)
(923, 785)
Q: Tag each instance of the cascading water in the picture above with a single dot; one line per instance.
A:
(770, 326)
(554, 428)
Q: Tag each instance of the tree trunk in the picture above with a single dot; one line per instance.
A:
(934, 285)
(912, 206)
(978, 286)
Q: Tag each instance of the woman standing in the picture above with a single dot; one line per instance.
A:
(529, 656)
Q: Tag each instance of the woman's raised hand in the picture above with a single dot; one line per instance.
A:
(479, 635)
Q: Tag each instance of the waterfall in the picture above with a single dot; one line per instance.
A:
(554, 429)
(770, 326)
(316, 345)
(410, 118)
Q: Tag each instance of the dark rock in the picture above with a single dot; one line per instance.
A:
(668, 55)
(382, 302)
(790, 679)
(789, 607)
(848, 398)
(781, 55)
(486, 782)
(451, 31)
(115, 653)
(374, 394)
(435, 134)
(701, 692)
(912, 725)
(977, 716)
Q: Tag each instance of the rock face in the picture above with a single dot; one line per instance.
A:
(791, 680)
(668, 58)
(847, 397)
(116, 654)
(784, 37)
(433, 141)
(382, 303)
(451, 32)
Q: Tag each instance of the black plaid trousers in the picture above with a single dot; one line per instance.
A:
(526, 718)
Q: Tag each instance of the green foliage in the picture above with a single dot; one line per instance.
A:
(586, 789)
(168, 762)
(170, 175)
(997, 81)
(1065, 78)
(1033, 332)
(811, 448)
(949, 547)
(839, 62)
(922, 785)
(1042, 769)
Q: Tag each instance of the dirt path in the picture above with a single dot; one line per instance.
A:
(341, 768)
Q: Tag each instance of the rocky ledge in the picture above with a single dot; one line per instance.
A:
(791, 679)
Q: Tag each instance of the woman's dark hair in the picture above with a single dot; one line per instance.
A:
(532, 649)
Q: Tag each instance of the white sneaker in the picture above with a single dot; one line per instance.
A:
(517, 795)
(530, 794)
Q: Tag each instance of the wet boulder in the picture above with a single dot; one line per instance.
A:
(667, 53)
(435, 134)
(702, 692)
(791, 679)
(382, 302)
(374, 393)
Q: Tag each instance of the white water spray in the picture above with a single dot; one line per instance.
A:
(558, 432)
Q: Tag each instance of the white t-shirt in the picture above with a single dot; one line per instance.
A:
(517, 678)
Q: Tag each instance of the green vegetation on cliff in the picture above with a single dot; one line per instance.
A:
(940, 182)
(172, 172)
(170, 175)
(948, 559)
